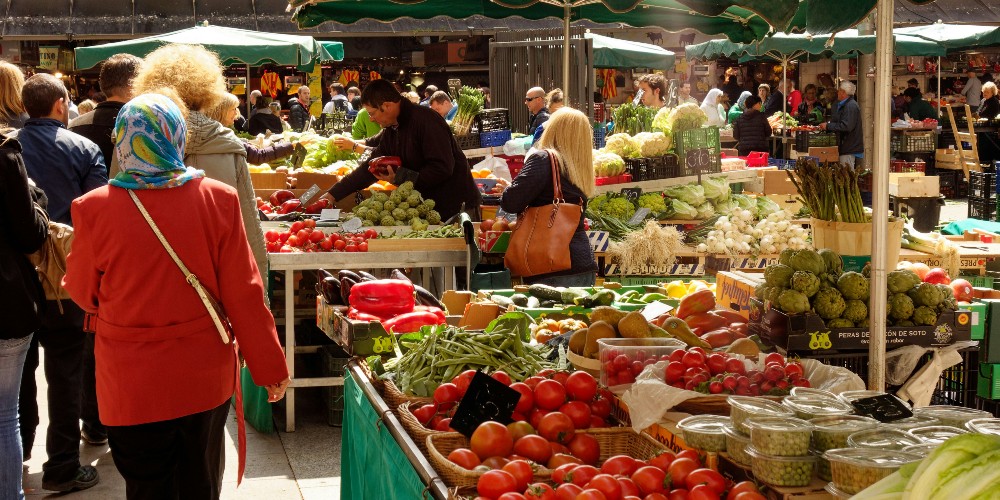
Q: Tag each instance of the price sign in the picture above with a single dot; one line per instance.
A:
(329, 214)
(639, 216)
(308, 195)
(352, 225)
(698, 160)
(487, 399)
(632, 194)
(884, 408)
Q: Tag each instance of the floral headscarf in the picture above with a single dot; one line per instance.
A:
(149, 141)
(741, 102)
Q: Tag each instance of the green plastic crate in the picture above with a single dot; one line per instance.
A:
(980, 281)
(705, 137)
(979, 315)
(628, 281)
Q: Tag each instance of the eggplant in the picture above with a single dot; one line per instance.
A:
(365, 276)
(426, 298)
(345, 289)
(329, 288)
(350, 274)
(396, 274)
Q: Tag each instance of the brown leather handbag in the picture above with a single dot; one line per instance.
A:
(540, 242)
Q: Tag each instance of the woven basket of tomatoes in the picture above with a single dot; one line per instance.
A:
(395, 397)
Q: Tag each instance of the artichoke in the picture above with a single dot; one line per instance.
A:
(778, 275)
(840, 323)
(793, 302)
(902, 280)
(854, 286)
(785, 257)
(805, 282)
(808, 260)
(855, 311)
(834, 263)
(905, 322)
(926, 294)
(774, 293)
(761, 291)
(925, 315)
(829, 303)
(900, 306)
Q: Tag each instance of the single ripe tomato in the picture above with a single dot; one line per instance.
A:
(559, 473)
(702, 492)
(582, 475)
(662, 461)
(581, 386)
(271, 236)
(521, 471)
(363, 246)
(339, 245)
(706, 476)
(462, 380)
(296, 226)
(309, 223)
(620, 465)
(568, 491)
(586, 448)
(534, 448)
(494, 483)
(774, 357)
(693, 359)
(519, 430)
(527, 401)
(607, 485)
(578, 412)
(678, 494)
(550, 395)
(556, 427)
(560, 459)
(424, 413)
(679, 470)
(316, 236)
(601, 408)
(750, 495)
(650, 479)
(502, 377)
(741, 487)
(693, 455)
(511, 495)
(351, 248)
(464, 458)
(491, 439)
(326, 245)
(447, 393)
(371, 234)
(628, 487)
(539, 491)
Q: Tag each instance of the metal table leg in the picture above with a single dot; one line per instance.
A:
(290, 349)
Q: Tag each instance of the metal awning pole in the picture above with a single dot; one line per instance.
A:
(566, 48)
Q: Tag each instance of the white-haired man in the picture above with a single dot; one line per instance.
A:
(845, 120)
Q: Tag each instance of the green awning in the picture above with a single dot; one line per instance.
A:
(615, 53)
(234, 46)
(955, 37)
(843, 45)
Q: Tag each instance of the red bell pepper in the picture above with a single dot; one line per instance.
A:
(383, 298)
(318, 206)
(290, 206)
(382, 164)
(353, 313)
(280, 196)
(412, 322)
(436, 310)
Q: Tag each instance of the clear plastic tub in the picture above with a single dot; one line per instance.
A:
(644, 351)
(704, 432)
(914, 422)
(744, 407)
(780, 436)
(832, 432)
(782, 471)
(736, 445)
(836, 492)
(955, 416)
(984, 426)
(810, 392)
(922, 449)
(882, 439)
(855, 469)
(936, 433)
(810, 407)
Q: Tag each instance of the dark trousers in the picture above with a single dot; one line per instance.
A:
(62, 337)
(175, 459)
(89, 414)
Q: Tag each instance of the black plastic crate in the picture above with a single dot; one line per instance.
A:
(334, 365)
(491, 120)
(962, 188)
(649, 169)
(983, 185)
(982, 208)
(913, 142)
(806, 140)
(948, 178)
(469, 141)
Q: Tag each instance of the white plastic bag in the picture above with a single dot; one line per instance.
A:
(496, 165)
(920, 387)
(517, 146)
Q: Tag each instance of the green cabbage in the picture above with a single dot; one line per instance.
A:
(716, 188)
(726, 206)
(683, 210)
(705, 211)
(766, 207)
(692, 194)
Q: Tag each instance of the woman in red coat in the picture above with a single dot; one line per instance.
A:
(164, 375)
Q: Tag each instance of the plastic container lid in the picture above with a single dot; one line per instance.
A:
(756, 454)
(913, 422)
(810, 392)
(704, 424)
(936, 433)
(790, 424)
(984, 425)
(923, 449)
(836, 492)
(818, 406)
(843, 423)
(871, 457)
(735, 433)
(849, 396)
(945, 413)
(882, 438)
(758, 406)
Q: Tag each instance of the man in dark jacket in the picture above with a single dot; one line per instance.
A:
(298, 110)
(421, 138)
(538, 114)
(98, 125)
(751, 129)
(845, 120)
(917, 107)
(65, 165)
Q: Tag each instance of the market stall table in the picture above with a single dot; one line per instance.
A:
(734, 176)
(286, 262)
(378, 457)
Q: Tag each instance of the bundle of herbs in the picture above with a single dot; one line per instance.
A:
(470, 103)
(830, 190)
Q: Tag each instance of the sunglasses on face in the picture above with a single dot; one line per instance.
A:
(529, 99)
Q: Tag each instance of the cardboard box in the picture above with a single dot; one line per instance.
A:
(494, 241)
(272, 181)
(825, 154)
(306, 180)
(979, 313)
(989, 347)
(478, 316)
(777, 182)
(915, 187)
(454, 302)
(989, 381)
(358, 338)
(733, 290)
(807, 332)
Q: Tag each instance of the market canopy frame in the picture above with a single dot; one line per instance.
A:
(234, 46)
(617, 53)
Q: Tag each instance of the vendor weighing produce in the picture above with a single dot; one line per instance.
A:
(427, 151)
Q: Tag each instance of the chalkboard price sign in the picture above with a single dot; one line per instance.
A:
(698, 160)
(632, 194)
(486, 399)
(884, 408)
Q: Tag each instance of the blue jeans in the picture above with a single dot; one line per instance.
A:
(12, 353)
(571, 280)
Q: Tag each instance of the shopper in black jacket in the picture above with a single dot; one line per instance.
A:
(421, 138)
(751, 129)
(845, 120)
(23, 230)
(567, 133)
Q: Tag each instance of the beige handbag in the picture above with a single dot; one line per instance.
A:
(212, 305)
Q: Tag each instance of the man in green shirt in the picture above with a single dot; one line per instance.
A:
(918, 109)
(364, 127)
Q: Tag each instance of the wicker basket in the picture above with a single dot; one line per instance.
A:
(413, 427)
(613, 441)
(395, 397)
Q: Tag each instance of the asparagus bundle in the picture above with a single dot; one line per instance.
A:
(470, 103)
(830, 191)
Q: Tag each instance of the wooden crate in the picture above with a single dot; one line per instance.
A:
(947, 159)
(777, 182)
(272, 181)
(915, 187)
(306, 180)
(405, 244)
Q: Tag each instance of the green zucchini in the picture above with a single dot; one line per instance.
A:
(519, 299)
(545, 292)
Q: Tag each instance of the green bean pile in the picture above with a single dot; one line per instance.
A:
(445, 353)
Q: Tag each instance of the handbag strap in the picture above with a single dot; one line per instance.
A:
(556, 177)
(190, 277)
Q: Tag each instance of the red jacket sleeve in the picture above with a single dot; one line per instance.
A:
(83, 277)
(242, 296)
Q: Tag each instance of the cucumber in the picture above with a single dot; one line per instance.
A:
(545, 292)
(519, 299)
(569, 295)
